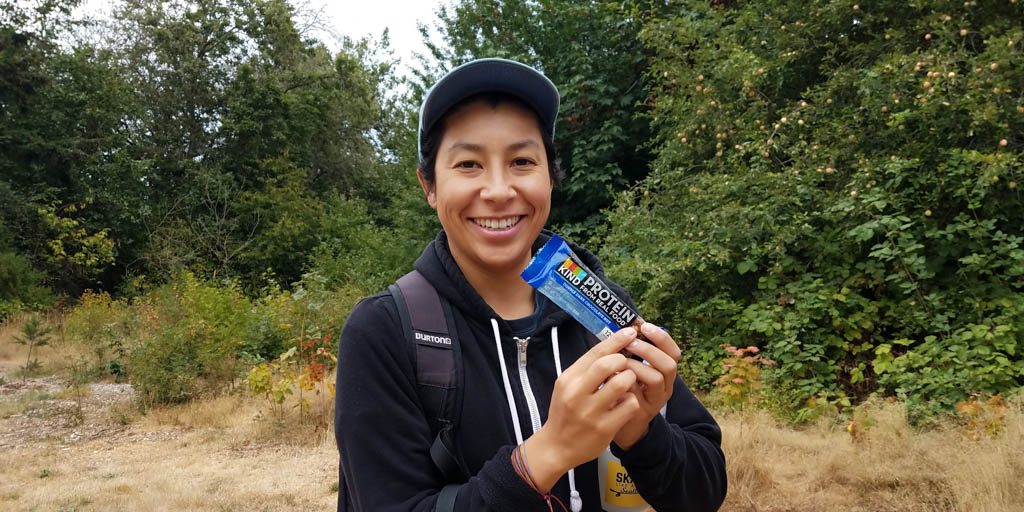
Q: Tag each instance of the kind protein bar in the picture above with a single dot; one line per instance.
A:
(560, 275)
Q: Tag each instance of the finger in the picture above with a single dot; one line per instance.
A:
(622, 412)
(600, 372)
(610, 345)
(649, 379)
(662, 339)
(654, 356)
(615, 387)
(646, 375)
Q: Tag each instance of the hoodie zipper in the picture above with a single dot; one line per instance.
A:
(531, 401)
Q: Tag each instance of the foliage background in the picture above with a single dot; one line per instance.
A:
(837, 184)
(834, 184)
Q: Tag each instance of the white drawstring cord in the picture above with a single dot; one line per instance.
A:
(575, 500)
(508, 385)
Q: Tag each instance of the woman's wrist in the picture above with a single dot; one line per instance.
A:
(546, 462)
(627, 440)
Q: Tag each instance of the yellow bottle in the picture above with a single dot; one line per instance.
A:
(618, 492)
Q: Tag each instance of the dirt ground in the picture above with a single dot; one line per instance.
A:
(68, 450)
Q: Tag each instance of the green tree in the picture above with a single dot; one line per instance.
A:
(62, 141)
(591, 51)
(34, 334)
(252, 128)
(837, 184)
(21, 285)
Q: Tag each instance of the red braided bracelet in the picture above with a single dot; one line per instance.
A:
(522, 469)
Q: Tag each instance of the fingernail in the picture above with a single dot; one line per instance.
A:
(631, 332)
(634, 343)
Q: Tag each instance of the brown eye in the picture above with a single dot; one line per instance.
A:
(522, 162)
(468, 164)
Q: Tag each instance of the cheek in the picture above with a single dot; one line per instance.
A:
(450, 198)
(540, 196)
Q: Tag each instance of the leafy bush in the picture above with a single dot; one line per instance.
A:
(837, 185)
(105, 327)
(305, 368)
(355, 252)
(190, 337)
(983, 418)
(21, 285)
(740, 383)
(190, 334)
(283, 318)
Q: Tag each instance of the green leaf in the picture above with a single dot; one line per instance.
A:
(746, 266)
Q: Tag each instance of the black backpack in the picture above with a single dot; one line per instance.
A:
(429, 326)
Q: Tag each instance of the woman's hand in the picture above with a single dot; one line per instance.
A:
(591, 401)
(654, 381)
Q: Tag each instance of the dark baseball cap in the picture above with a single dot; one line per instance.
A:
(489, 75)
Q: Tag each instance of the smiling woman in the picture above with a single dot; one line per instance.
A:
(487, 167)
(492, 193)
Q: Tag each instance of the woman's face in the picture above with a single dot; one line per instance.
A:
(492, 188)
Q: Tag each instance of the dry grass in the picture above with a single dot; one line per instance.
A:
(777, 468)
(224, 453)
(233, 452)
(190, 471)
(55, 357)
(207, 455)
(11, 354)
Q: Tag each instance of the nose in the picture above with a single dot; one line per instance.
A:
(499, 187)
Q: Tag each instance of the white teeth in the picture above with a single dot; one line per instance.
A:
(497, 223)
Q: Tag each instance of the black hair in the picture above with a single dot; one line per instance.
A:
(432, 139)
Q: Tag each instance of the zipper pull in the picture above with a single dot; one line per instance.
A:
(522, 344)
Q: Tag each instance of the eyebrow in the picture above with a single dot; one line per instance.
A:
(468, 146)
(525, 143)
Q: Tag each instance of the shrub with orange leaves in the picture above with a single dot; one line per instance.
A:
(982, 418)
(305, 367)
(740, 381)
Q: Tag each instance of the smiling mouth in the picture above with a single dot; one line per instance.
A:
(501, 224)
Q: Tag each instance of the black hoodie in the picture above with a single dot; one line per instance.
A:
(384, 438)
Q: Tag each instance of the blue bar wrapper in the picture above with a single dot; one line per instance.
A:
(560, 275)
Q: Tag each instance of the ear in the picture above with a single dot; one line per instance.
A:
(428, 189)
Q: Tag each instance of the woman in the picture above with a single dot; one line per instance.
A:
(527, 432)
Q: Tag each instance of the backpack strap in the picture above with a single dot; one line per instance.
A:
(429, 326)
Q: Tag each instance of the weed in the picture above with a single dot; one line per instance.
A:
(740, 381)
(24, 403)
(33, 334)
(123, 413)
(859, 424)
(983, 418)
(302, 368)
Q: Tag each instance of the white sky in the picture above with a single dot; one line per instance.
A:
(358, 18)
(355, 19)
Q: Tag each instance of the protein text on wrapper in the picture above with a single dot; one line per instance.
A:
(561, 276)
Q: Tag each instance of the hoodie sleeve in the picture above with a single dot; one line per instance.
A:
(679, 464)
(382, 433)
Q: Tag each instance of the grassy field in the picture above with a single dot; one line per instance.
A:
(90, 449)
